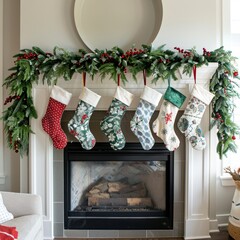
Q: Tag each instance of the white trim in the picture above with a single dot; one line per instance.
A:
(89, 97)
(123, 95)
(212, 180)
(226, 24)
(2, 175)
(222, 219)
(41, 160)
(2, 179)
(198, 237)
(151, 95)
(60, 95)
(227, 181)
(197, 222)
(24, 176)
(213, 226)
(202, 94)
(219, 21)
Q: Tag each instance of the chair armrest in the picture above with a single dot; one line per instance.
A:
(20, 204)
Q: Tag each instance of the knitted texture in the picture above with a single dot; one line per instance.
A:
(51, 123)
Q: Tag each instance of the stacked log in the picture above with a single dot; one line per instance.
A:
(119, 194)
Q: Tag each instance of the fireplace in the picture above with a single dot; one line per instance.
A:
(192, 192)
(127, 189)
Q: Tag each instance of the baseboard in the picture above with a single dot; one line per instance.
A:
(2, 179)
(213, 226)
(222, 219)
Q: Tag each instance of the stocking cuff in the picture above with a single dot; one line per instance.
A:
(150, 95)
(124, 96)
(89, 97)
(60, 95)
(174, 97)
(202, 94)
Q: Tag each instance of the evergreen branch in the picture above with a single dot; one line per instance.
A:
(160, 64)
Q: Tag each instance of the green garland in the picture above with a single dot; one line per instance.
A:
(160, 64)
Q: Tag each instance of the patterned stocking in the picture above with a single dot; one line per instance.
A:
(163, 126)
(111, 124)
(140, 122)
(51, 121)
(191, 118)
(79, 124)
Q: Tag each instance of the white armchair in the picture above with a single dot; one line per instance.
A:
(27, 212)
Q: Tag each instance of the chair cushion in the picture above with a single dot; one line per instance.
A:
(5, 215)
(28, 226)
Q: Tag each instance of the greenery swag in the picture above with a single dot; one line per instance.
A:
(160, 64)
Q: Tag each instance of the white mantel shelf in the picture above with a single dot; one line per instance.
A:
(197, 221)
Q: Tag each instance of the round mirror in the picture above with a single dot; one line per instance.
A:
(103, 24)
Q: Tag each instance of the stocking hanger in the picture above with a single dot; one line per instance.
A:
(195, 74)
(144, 77)
(84, 78)
(119, 79)
(169, 81)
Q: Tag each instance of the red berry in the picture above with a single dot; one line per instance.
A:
(233, 137)
(235, 74)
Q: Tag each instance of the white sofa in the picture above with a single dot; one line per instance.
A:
(27, 212)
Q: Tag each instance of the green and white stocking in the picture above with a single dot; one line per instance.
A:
(163, 126)
(79, 124)
(111, 124)
(140, 122)
(192, 116)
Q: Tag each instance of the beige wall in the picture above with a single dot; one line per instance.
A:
(185, 24)
(10, 40)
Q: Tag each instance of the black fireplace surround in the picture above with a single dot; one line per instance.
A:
(146, 218)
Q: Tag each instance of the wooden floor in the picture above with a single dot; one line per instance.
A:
(222, 235)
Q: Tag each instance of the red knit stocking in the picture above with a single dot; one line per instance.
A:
(51, 123)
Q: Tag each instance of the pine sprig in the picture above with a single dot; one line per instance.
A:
(225, 88)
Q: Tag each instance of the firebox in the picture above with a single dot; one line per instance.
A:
(127, 189)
